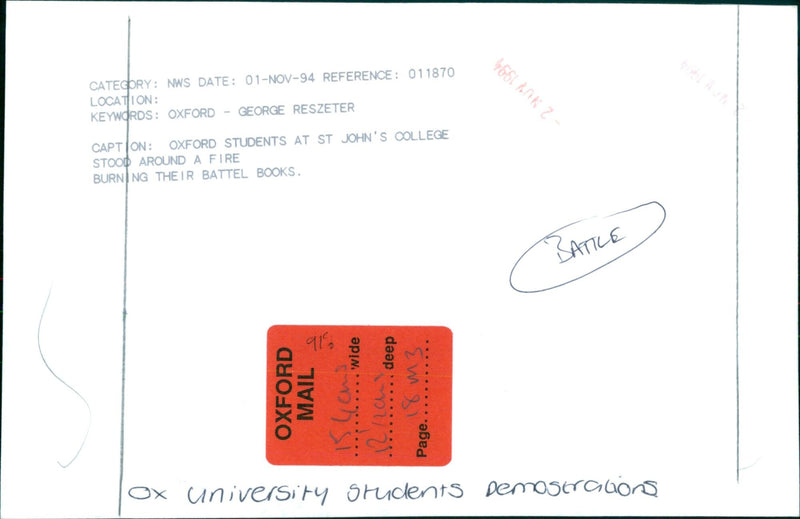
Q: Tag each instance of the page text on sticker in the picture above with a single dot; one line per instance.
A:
(359, 395)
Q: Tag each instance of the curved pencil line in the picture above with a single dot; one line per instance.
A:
(747, 467)
(41, 354)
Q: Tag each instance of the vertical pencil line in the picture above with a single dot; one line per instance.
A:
(125, 274)
(738, 464)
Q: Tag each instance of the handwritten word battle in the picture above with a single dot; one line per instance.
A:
(580, 248)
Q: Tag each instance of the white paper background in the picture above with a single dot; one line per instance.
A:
(629, 372)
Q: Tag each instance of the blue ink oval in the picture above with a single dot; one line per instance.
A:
(580, 248)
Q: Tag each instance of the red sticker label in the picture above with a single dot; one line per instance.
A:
(359, 395)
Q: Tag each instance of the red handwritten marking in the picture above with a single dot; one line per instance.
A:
(698, 76)
(510, 76)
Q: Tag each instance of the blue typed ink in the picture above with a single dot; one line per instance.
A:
(580, 248)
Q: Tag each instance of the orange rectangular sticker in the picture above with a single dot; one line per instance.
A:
(359, 395)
